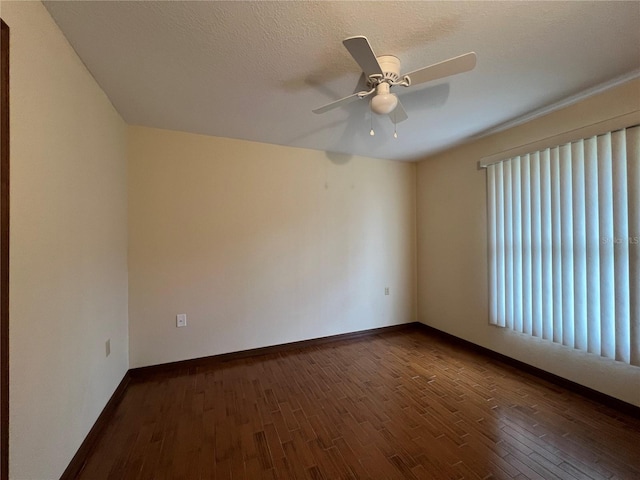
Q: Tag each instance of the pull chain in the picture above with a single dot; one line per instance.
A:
(395, 126)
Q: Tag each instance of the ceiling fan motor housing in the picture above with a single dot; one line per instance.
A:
(390, 66)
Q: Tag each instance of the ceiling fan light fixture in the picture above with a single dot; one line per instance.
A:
(384, 102)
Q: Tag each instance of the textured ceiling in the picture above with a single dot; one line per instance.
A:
(255, 70)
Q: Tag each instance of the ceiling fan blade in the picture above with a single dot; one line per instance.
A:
(341, 102)
(361, 51)
(453, 66)
(398, 115)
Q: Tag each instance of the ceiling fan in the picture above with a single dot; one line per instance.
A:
(383, 72)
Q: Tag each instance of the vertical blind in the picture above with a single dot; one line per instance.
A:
(564, 235)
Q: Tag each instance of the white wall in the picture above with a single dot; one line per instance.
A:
(68, 246)
(452, 248)
(261, 244)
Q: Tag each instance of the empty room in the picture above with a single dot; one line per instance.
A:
(320, 240)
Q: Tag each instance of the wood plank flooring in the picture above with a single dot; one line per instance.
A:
(398, 405)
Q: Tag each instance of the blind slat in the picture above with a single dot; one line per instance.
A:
(605, 219)
(592, 229)
(525, 239)
(547, 241)
(579, 247)
(556, 245)
(567, 247)
(493, 274)
(508, 245)
(633, 182)
(516, 230)
(500, 258)
(536, 247)
(620, 243)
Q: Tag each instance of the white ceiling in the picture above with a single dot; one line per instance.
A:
(255, 70)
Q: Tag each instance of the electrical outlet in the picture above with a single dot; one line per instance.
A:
(386, 290)
(181, 320)
(107, 347)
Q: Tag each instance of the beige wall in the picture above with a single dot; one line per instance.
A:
(68, 246)
(452, 248)
(261, 245)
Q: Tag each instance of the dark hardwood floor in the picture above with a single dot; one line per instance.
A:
(395, 405)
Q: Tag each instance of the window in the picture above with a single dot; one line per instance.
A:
(564, 228)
